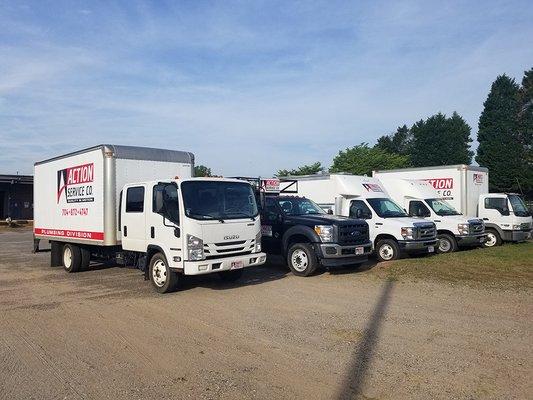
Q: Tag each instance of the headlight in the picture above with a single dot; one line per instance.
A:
(463, 229)
(408, 233)
(517, 227)
(325, 232)
(195, 248)
(258, 243)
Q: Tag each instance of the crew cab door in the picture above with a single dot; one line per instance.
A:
(271, 226)
(133, 218)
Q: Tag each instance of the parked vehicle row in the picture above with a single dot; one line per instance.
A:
(142, 207)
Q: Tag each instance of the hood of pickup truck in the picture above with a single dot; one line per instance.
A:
(320, 219)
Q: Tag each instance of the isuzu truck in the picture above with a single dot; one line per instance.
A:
(392, 231)
(141, 207)
(466, 188)
(420, 199)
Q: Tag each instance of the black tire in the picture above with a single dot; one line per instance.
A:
(387, 250)
(85, 259)
(163, 279)
(232, 275)
(447, 243)
(71, 257)
(493, 238)
(301, 259)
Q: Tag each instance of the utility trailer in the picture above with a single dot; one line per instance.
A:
(141, 207)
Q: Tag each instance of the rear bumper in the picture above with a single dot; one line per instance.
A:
(222, 264)
(417, 246)
(332, 254)
(516, 236)
(471, 240)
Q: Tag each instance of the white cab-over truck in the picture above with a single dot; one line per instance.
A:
(466, 188)
(420, 199)
(141, 207)
(392, 231)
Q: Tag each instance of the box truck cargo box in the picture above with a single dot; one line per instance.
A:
(140, 206)
(466, 188)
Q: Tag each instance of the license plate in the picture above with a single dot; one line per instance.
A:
(359, 251)
(431, 249)
(237, 264)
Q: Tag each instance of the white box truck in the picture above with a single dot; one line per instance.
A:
(466, 188)
(141, 207)
(392, 231)
(420, 199)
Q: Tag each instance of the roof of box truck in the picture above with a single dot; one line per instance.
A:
(134, 153)
(456, 167)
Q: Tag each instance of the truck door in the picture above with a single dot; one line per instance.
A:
(163, 220)
(133, 218)
(495, 209)
(418, 209)
(271, 226)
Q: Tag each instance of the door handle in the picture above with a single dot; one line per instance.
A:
(152, 232)
(485, 219)
(125, 230)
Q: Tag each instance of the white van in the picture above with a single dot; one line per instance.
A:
(392, 231)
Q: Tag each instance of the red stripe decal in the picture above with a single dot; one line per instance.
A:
(69, 234)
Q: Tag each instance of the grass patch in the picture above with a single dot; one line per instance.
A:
(508, 266)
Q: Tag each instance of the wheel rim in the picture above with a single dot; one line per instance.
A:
(159, 273)
(386, 252)
(299, 260)
(444, 245)
(67, 257)
(491, 239)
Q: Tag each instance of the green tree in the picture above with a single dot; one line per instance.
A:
(310, 169)
(525, 126)
(441, 141)
(202, 170)
(398, 142)
(362, 160)
(500, 147)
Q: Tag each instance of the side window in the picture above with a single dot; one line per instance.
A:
(418, 209)
(135, 199)
(165, 201)
(497, 203)
(270, 212)
(359, 209)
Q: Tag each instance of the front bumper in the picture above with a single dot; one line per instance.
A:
(516, 236)
(471, 240)
(333, 254)
(222, 264)
(417, 246)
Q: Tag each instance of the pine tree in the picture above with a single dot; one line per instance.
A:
(441, 141)
(500, 148)
(525, 122)
(396, 143)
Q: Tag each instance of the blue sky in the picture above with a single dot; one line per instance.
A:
(249, 86)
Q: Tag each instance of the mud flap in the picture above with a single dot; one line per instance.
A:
(55, 254)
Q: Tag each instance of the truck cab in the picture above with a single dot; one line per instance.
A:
(506, 218)
(192, 226)
(421, 200)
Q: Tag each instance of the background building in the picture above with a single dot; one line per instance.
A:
(16, 196)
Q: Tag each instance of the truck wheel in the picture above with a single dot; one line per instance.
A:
(163, 278)
(387, 250)
(231, 276)
(493, 238)
(71, 257)
(302, 259)
(447, 243)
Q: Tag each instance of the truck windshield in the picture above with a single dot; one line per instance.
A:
(386, 208)
(441, 207)
(208, 200)
(519, 208)
(299, 206)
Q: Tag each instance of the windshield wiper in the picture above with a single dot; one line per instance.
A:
(244, 215)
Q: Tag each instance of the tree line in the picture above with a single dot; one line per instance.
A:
(505, 137)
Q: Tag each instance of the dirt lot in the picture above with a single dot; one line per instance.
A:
(105, 334)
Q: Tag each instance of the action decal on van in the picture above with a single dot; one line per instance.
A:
(441, 183)
(76, 183)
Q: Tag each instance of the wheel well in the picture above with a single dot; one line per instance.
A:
(443, 231)
(297, 238)
(383, 236)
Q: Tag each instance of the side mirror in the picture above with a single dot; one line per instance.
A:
(177, 232)
(330, 211)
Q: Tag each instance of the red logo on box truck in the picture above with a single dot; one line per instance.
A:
(74, 182)
(441, 183)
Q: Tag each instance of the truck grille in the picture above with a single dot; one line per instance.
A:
(226, 249)
(353, 234)
(425, 231)
(525, 226)
(475, 227)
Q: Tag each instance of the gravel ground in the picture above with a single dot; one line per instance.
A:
(105, 334)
